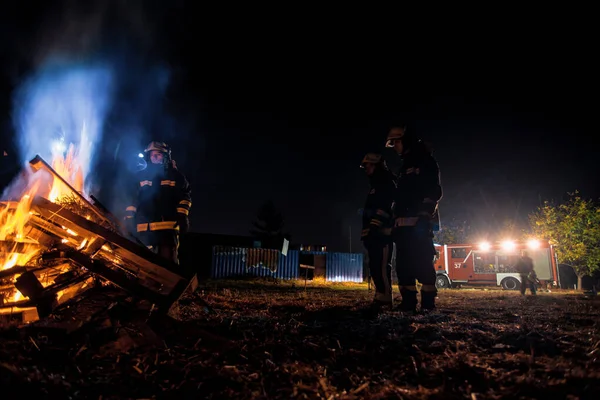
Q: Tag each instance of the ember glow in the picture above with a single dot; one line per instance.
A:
(13, 219)
(19, 245)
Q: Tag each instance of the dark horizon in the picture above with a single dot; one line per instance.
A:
(290, 118)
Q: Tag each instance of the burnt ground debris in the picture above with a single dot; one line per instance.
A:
(267, 340)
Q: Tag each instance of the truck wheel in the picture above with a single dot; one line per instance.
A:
(442, 282)
(510, 284)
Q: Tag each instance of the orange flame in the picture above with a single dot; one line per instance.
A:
(69, 169)
(15, 215)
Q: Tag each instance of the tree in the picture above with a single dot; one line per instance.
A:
(453, 232)
(512, 230)
(269, 226)
(573, 228)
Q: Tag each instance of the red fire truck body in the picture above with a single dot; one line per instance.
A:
(493, 264)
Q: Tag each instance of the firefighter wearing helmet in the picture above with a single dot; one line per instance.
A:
(377, 225)
(415, 211)
(528, 276)
(162, 201)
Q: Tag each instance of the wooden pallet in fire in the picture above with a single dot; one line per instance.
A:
(91, 248)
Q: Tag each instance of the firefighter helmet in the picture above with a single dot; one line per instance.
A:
(394, 134)
(159, 146)
(370, 158)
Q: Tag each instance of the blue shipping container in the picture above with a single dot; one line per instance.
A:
(236, 261)
(229, 262)
(341, 267)
(344, 267)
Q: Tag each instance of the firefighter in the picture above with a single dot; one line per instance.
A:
(161, 204)
(418, 191)
(377, 227)
(528, 276)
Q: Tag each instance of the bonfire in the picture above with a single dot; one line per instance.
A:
(57, 241)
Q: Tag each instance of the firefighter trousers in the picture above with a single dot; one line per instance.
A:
(527, 283)
(164, 243)
(414, 262)
(379, 250)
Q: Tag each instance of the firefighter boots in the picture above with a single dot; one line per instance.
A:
(428, 300)
(409, 300)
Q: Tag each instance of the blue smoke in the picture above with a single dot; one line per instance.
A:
(99, 85)
(138, 113)
(108, 110)
(62, 104)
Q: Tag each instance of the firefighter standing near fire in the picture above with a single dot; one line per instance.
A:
(415, 211)
(161, 204)
(377, 227)
(528, 276)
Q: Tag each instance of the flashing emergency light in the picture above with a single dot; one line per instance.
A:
(140, 155)
(509, 245)
(533, 244)
(484, 246)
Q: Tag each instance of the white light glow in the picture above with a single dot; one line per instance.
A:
(59, 147)
(509, 245)
(533, 244)
(140, 155)
(484, 246)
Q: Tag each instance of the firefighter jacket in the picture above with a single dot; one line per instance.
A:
(377, 212)
(524, 265)
(162, 199)
(418, 187)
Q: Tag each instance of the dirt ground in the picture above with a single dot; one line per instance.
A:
(254, 340)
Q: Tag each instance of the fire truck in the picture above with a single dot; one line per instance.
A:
(493, 264)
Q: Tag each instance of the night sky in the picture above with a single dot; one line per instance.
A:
(283, 104)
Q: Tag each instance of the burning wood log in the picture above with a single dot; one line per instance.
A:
(46, 298)
(100, 212)
(76, 231)
(38, 163)
(110, 255)
(9, 246)
(10, 272)
(67, 246)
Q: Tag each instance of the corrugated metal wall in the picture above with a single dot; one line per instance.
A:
(237, 261)
(344, 267)
(341, 267)
(288, 265)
